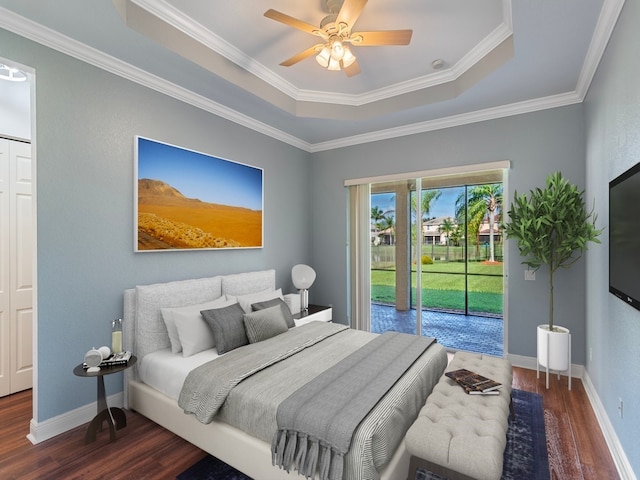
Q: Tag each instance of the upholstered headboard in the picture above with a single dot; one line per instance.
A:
(144, 329)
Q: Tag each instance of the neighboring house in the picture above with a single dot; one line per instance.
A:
(431, 234)
(483, 231)
(385, 237)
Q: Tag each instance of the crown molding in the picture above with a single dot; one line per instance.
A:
(187, 25)
(493, 113)
(40, 34)
(174, 17)
(50, 38)
(493, 41)
(604, 28)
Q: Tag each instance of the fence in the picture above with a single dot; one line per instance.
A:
(384, 256)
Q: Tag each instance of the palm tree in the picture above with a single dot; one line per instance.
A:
(376, 214)
(388, 223)
(428, 196)
(377, 217)
(456, 236)
(447, 227)
(482, 201)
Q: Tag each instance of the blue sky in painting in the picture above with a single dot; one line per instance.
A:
(196, 175)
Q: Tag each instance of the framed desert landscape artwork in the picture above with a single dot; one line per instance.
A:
(188, 200)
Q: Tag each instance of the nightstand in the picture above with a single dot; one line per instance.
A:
(114, 416)
(315, 312)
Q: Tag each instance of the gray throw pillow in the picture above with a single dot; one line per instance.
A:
(228, 327)
(263, 324)
(286, 312)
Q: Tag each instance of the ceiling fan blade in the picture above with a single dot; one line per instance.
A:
(385, 37)
(350, 11)
(292, 22)
(302, 55)
(351, 70)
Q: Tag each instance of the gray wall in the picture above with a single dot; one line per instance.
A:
(612, 112)
(86, 120)
(535, 144)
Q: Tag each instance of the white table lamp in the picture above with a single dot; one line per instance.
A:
(303, 277)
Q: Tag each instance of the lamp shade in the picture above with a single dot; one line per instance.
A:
(323, 57)
(302, 276)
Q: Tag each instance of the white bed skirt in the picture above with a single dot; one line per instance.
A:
(247, 454)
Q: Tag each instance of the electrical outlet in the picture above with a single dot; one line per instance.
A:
(529, 274)
(620, 407)
(590, 354)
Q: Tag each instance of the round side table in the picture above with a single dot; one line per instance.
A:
(114, 416)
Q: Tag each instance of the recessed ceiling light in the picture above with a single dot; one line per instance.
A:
(437, 64)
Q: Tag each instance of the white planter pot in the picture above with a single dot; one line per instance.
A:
(554, 347)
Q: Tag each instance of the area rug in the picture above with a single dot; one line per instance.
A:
(525, 457)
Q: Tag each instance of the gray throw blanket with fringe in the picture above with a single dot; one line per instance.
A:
(207, 387)
(317, 422)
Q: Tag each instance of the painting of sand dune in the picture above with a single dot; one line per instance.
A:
(222, 209)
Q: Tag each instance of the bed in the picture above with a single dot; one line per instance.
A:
(154, 384)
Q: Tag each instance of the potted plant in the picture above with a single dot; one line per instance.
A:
(552, 227)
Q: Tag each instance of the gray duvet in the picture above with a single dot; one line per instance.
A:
(245, 387)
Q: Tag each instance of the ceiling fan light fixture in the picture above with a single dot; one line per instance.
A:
(334, 65)
(348, 58)
(323, 57)
(333, 53)
(337, 50)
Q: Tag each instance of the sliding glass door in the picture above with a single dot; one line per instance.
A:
(392, 231)
(436, 255)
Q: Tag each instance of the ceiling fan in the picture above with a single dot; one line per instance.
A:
(335, 30)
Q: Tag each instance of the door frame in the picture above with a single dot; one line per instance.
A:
(31, 78)
(359, 214)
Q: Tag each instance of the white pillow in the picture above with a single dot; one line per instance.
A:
(246, 301)
(187, 315)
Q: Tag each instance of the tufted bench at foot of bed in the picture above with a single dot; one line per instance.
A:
(461, 436)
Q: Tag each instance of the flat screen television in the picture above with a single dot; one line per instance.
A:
(624, 237)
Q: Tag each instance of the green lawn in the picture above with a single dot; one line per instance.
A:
(442, 288)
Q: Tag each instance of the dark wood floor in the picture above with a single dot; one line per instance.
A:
(577, 449)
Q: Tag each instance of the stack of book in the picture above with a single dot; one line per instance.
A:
(114, 359)
(474, 383)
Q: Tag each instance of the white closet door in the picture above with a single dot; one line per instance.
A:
(16, 277)
(5, 274)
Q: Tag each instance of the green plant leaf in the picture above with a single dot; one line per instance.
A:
(552, 226)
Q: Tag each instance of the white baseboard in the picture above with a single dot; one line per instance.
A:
(615, 448)
(577, 371)
(617, 452)
(39, 432)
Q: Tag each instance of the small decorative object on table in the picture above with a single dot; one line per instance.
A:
(113, 359)
(116, 335)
